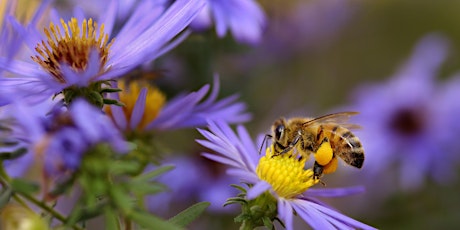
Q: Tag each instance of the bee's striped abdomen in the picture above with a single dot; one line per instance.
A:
(345, 144)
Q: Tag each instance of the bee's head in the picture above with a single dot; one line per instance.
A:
(278, 129)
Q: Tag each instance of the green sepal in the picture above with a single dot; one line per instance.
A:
(112, 102)
(235, 200)
(8, 143)
(13, 155)
(268, 223)
(110, 90)
(242, 189)
(186, 217)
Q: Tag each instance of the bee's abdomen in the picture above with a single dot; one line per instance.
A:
(345, 144)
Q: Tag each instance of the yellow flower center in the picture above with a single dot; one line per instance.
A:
(72, 48)
(285, 173)
(154, 101)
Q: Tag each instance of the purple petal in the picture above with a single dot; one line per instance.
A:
(285, 213)
(138, 110)
(119, 117)
(259, 188)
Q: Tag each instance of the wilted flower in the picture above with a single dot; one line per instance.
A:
(244, 18)
(279, 184)
(78, 57)
(411, 121)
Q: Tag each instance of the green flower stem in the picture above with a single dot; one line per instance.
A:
(48, 209)
(5, 181)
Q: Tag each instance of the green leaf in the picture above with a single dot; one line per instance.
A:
(154, 173)
(23, 186)
(5, 197)
(122, 199)
(124, 167)
(149, 221)
(185, 217)
(148, 188)
(13, 155)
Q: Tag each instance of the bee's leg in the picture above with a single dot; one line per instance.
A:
(264, 142)
(291, 145)
(317, 170)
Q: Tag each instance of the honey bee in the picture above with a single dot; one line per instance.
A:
(326, 137)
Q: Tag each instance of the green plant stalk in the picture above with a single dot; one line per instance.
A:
(42, 205)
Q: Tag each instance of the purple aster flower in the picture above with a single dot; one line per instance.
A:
(58, 137)
(411, 122)
(244, 18)
(282, 177)
(82, 54)
(146, 108)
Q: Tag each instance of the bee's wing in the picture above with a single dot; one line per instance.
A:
(337, 118)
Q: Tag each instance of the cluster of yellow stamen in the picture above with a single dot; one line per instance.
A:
(286, 173)
(128, 96)
(73, 47)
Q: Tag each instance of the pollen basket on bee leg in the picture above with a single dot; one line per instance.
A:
(324, 153)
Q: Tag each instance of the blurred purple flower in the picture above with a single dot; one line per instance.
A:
(183, 111)
(59, 137)
(148, 33)
(244, 18)
(410, 122)
(239, 152)
(200, 180)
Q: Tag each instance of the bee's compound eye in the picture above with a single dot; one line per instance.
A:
(279, 131)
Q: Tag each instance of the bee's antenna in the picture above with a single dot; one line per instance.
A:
(264, 142)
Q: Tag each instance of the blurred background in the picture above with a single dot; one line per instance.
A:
(312, 58)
